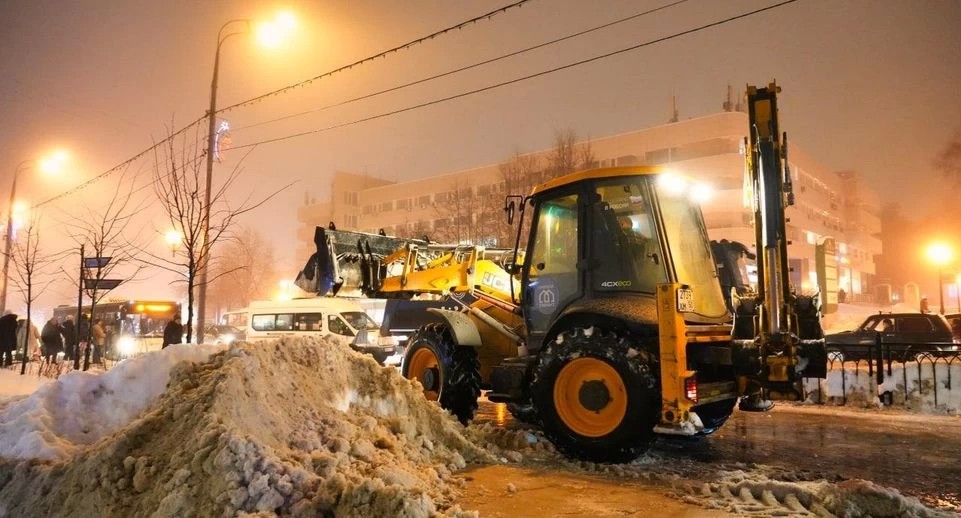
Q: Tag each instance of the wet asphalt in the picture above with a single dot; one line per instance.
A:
(919, 455)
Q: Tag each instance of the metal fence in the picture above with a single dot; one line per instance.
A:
(899, 373)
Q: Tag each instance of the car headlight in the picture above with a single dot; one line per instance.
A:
(227, 338)
(126, 345)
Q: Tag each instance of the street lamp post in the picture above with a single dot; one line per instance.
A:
(269, 34)
(9, 236)
(940, 254)
(211, 136)
(957, 291)
(49, 164)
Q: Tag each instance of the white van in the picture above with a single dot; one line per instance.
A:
(338, 317)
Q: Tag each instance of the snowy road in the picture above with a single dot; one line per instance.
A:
(919, 455)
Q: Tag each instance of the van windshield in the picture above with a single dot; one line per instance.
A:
(360, 320)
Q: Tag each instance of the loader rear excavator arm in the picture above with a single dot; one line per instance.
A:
(787, 341)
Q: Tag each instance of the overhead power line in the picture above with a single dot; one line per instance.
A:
(519, 79)
(398, 48)
(465, 68)
(409, 44)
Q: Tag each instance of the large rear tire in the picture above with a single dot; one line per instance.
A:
(597, 395)
(450, 374)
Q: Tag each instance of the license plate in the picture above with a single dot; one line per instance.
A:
(685, 300)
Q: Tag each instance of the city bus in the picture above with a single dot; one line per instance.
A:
(133, 326)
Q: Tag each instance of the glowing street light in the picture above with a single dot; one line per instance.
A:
(940, 254)
(50, 164)
(174, 239)
(273, 33)
(270, 35)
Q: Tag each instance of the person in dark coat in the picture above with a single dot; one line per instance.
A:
(69, 331)
(173, 332)
(51, 341)
(8, 337)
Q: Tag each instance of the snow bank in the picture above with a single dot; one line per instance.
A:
(750, 493)
(929, 385)
(300, 426)
(13, 385)
(81, 408)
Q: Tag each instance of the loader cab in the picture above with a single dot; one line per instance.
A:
(601, 241)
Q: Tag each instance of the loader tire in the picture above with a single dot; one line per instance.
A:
(597, 395)
(714, 415)
(450, 374)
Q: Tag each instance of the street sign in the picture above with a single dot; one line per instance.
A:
(96, 262)
(102, 284)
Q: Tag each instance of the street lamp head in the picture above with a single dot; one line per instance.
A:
(174, 239)
(273, 33)
(939, 253)
(54, 162)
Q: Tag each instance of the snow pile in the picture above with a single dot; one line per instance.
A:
(13, 385)
(81, 408)
(749, 493)
(929, 385)
(302, 426)
(759, 490)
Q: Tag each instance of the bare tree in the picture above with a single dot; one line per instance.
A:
(457, 208)
(179, 178)
(101, 231)
(568, 156)
(243, 269)
(31, 277)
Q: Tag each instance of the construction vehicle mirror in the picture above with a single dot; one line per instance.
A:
(509, 209)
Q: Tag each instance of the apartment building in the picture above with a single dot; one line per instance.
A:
(829, 204)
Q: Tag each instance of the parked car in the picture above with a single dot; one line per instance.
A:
(905, 335)
(222, 334)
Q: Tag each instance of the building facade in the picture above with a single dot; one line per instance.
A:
(828, 204)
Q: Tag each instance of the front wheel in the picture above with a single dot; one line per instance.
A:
(450, 374)
(597, 395)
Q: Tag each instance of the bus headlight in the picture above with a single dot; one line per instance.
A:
(126, 345)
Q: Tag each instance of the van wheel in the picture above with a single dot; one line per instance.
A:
(597, 395)
(449, 374)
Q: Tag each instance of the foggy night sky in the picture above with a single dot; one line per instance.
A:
(871, 86)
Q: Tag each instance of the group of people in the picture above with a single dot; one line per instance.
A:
(55, 337)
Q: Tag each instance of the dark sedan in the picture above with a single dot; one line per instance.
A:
(903, 336)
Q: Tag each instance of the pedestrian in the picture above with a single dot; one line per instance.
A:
(51, 340)
(27, 332)
(98, 338)
(8, 337)
(173, 332)
(69, 331)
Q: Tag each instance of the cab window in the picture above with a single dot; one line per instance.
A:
(623, 239)
(336, 325)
